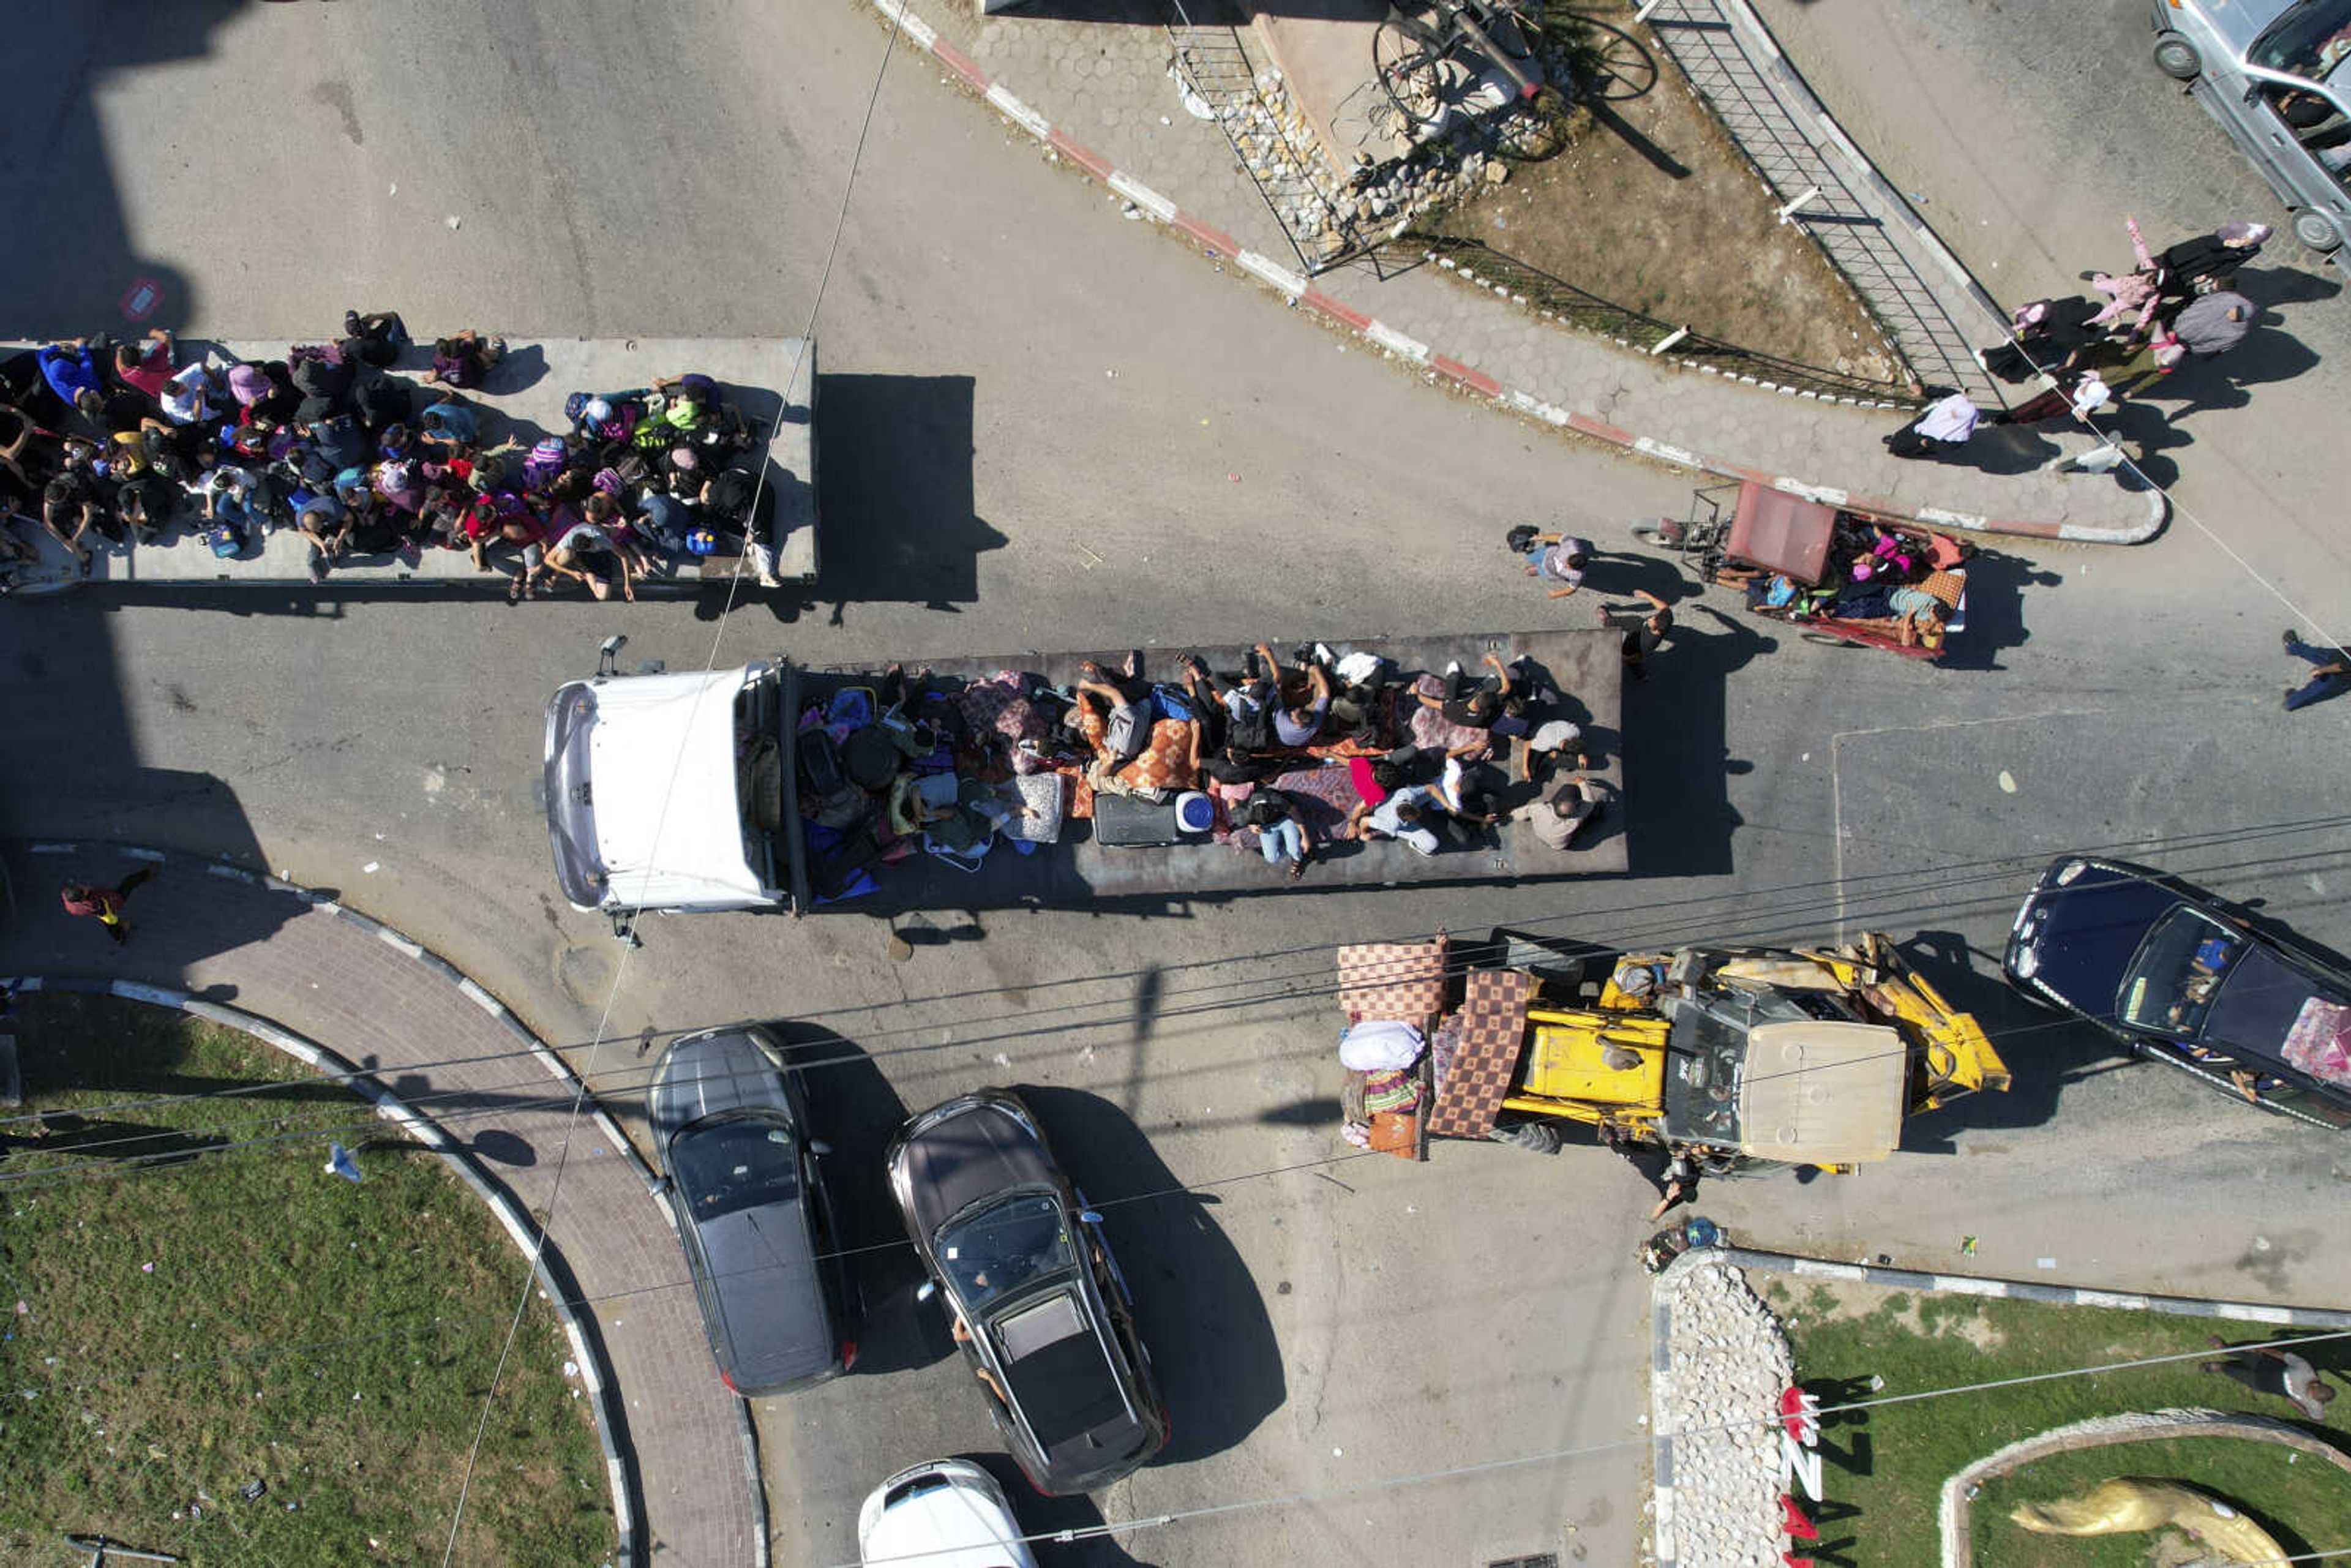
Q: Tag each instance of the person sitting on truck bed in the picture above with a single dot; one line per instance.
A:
(1565, 812)
(586, 550)
(1299, 724)
(1283, 834)
(1404, 816)
(1126, 702)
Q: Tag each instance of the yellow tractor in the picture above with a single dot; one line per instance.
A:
(1729, 1055)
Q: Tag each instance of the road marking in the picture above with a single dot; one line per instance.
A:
(1836, 778)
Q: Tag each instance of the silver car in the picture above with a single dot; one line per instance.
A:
(2271, 72)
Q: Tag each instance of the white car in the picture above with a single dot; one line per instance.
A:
(948, 1513)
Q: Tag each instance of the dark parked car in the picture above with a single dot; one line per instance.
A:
(1037, 1302)
(741, 1176)
(2184, 978)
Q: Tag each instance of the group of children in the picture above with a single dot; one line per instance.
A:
(106, 443)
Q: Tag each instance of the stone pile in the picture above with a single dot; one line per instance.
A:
(1325, 212)
(1719, 1401)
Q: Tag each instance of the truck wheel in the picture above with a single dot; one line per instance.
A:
(1535, 1137)
(2316, 230)
(2176, 58)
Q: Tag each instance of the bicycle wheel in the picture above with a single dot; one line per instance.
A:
(1609, 62)
(1407, 59)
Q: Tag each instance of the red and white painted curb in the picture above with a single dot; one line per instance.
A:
(1298, 290)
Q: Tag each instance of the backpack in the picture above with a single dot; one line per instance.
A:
(383, 401)
(224, 540)
(546, 459)
(729, 500)
(377, 352)
(1252, 729)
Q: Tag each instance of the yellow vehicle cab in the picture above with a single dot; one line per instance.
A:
(1809, 1056)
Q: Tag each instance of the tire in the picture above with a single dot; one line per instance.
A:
(2316, 230)
(2176, 58)
(1535, 1137)
(1650, 534)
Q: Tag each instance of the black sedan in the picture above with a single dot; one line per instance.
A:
(2184, 978)
(742, 1179)
(1037, 1302)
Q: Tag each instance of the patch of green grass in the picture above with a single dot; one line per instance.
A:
(195, 1320)
(2301, 1502)
(1890, 1461)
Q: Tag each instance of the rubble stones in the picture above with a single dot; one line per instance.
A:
(1719, 1400)
(1279, 149)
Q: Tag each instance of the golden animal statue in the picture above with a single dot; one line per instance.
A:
(2128, 1503)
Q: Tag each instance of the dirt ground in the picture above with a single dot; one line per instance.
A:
(1652, 207)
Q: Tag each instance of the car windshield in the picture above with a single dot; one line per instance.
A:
(2177, 972)
(2308, 41)
(727, 1166)
(1000, 1249)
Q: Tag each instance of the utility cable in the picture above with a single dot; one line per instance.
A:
(1767, 1423)
(1666, 920)
(2179, 507)
(1115, 1011)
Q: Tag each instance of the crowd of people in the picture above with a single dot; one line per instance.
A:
(2137, 326)
(120, 444)
(1285, 757)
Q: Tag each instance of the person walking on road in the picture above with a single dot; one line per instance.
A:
(2213, 324)
(104, 905)
(1557, 561)
(2330, 676)
(2265, 1369)
(1945, 425)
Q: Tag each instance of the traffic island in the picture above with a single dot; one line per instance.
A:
(1851, 1413)
(2185, 1476)
(1877, 1356)
(223, 1351)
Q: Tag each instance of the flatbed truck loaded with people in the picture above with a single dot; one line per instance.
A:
(365, 463)
(1063, 779)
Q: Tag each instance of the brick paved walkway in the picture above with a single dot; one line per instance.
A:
(332, 978)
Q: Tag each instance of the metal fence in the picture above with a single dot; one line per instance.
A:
(1559, 299)
(1311, 207)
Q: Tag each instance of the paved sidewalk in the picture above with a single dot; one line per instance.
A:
(1100, 95)
(380, 1002)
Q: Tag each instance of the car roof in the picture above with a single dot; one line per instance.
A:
(712, 1073)
(1066, 1387)
(953, 1525)
(773, 1318)
(2260, 1002)
(976, 1151)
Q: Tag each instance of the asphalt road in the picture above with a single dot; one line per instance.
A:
(2025, 130)
(1014, 375)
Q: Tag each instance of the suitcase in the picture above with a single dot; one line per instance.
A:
(1130, 823)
